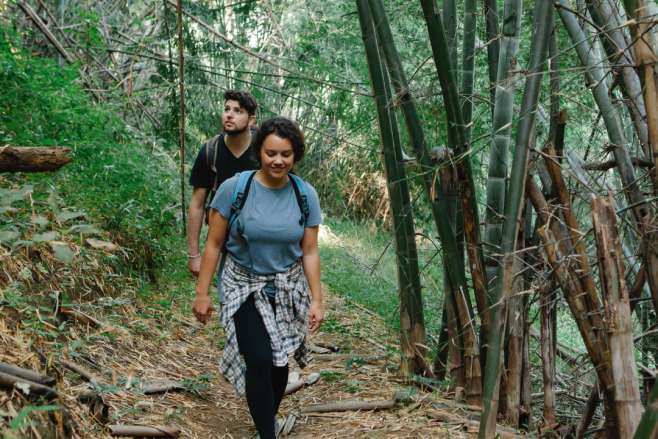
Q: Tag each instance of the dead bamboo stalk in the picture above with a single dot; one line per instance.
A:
(81, 317)
(547, 321)
(296, 385)
(143, 431)
(590, 324)
(346, 406)
(27, 374)
(588, 413)
(181, 126)
(11, 382)
(572, 224)
(90, 377)
(619, 325)
(349, 357)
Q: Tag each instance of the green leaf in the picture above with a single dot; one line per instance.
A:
(68, 215)
(22, 242)
(47, 236)
(8, 197)
(17, 423)
(85, 229)
(39, 220)
(52, 202)
(8, 235)
(62, 251)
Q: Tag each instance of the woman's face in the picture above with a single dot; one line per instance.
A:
(276, 156)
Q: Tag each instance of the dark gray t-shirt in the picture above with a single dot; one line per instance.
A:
(266, 236)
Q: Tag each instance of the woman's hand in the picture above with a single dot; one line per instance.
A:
(202, 307)
(315, 316)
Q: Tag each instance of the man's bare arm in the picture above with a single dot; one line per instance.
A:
(194, 223)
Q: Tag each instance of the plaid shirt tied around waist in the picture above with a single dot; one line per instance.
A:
(287, 330)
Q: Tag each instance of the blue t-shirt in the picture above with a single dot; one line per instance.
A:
(266, 236)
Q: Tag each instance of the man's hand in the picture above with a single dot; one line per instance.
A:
(202, 307)
(315, 316)
(194, 265)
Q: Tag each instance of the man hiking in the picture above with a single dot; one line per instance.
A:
(220, 158)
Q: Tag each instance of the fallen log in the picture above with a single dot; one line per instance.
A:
(143, 431)
(27, 374)
(346, 406)
(33, 158)
(10, 382)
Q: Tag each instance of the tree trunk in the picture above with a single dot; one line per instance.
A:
(33, 158)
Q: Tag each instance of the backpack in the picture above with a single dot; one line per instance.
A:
(239, 199)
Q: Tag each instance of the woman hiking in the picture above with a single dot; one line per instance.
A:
(272, 252)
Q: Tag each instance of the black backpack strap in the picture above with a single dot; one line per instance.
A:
(211, 160)
(302, 198)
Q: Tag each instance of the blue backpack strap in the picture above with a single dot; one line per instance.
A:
(239, 198)
(302, 197)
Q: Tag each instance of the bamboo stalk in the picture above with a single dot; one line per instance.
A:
(642, 213)
(143, 431)
(618, 318)
(346, 406)
(11, 382)
(515, 198)
(181, 125)
(27, 374)
(412, 325)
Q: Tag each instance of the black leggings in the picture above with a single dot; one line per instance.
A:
(265, 383)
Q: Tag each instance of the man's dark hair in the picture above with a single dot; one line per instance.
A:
(246, 100)
(284, 128)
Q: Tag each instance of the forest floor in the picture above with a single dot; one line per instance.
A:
(149, 337)
(131, 350)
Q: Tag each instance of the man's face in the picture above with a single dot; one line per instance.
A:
(235, 119)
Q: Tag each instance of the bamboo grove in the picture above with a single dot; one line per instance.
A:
(473, 112)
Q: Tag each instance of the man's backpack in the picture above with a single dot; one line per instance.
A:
(239, 199)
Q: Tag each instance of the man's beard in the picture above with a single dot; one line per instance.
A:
(236, 131)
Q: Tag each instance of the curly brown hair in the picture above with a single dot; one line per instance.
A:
(246, 100)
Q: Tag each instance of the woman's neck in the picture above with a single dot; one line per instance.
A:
(271, 183)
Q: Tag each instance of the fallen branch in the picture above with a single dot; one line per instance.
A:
(92, 378)
(143, 431)
(27, 374)
(327, 345)
(349, 357)
(161, 386)
(11, 382)
(81, 317)
(346, 406)
(298, 384)
(318, 350)
(33, 158)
